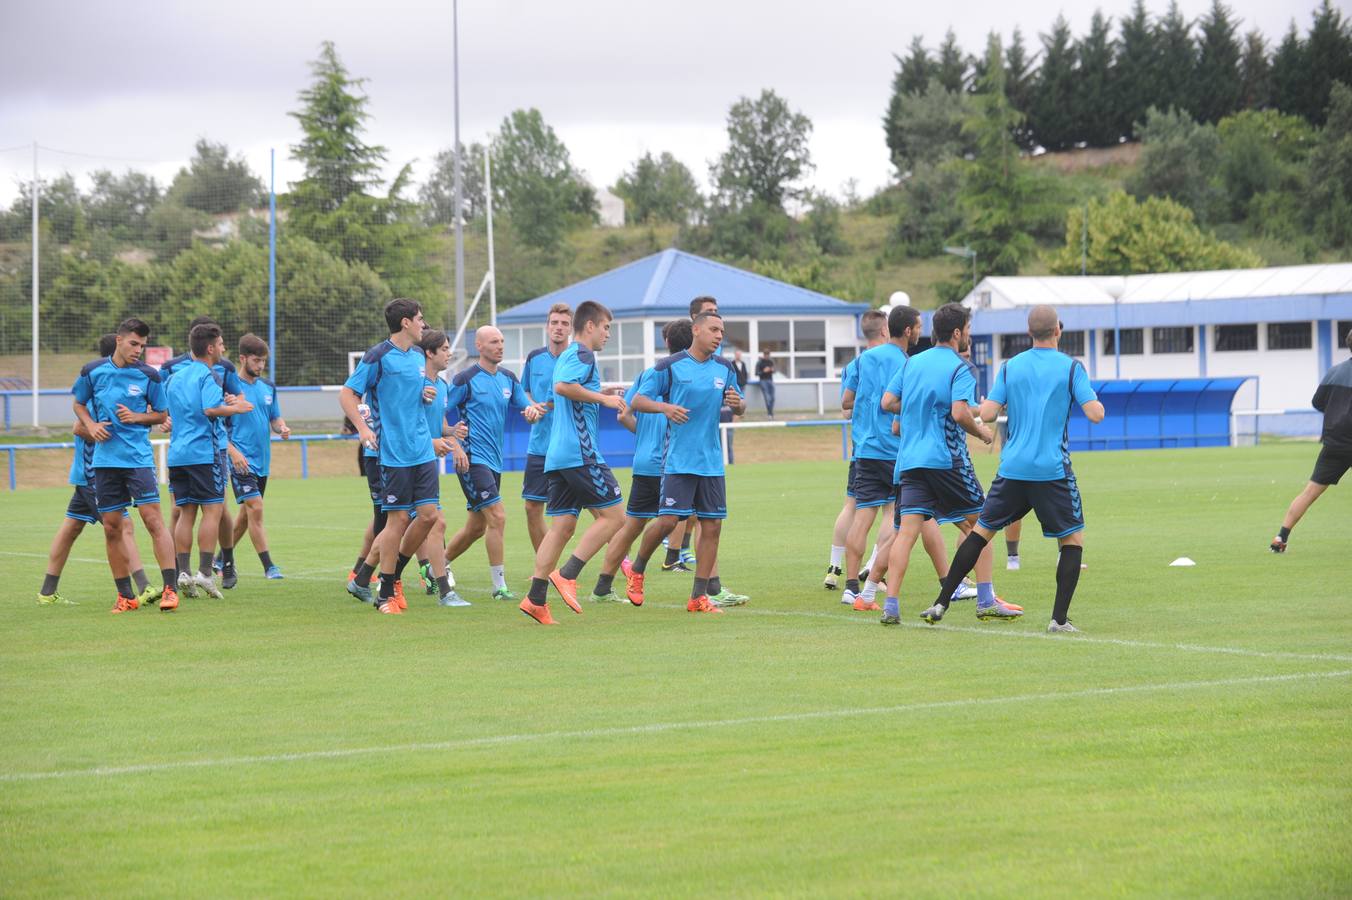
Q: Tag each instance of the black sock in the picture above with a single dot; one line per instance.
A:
(638, 564)
(539, 591)
(204, 558)
(423, 561)
(185, 562)
(852, 585)
(699, 588)
(715, 585)
(672, 556)
(685, 540)
(604, 584)
(266, 559)
(1283, 533)
(364, 572)
(387, 580)
(49, 583)
(963, 562)
(400, 566)
(168, 576)
(572, 568)
(357, 565)
(1067, 576)
(1011, 547)
(444, 584)
(139, 579)
(123, 587)
(227, 556)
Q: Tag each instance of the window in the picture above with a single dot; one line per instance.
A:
(1340, 334)
(843, 355)
(1133, 342)
(1170, 340)
(1014, 344)
(1072, 343)
(797, 346)
(1233, 338)
(623, 353)
(809, 367)
(1289, 336)
(809, 336)
(736, 335)
(774, 335)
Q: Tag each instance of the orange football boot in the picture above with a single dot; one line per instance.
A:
(634, 589)
(701, 604)
(125, 604)
(169, 600)
(567, 590)
(862, 605)
(539, 613)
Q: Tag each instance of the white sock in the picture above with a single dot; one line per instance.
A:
(499, 579)
(872, 558)
(870, 590)
(837, 554)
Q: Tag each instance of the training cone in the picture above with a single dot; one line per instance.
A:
(1182, 561)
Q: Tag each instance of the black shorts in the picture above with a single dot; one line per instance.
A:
(1057, 504)
(247, 485)
(201, 484)
(83, 505)
(534, 483)
(1331, 465)
(703, 496)
(119, 488)
(582, 487)
(873, 486)
(371, 467)
(849, 481)
(645, 497)
(407, 487)
(481, 486)
(948, 495)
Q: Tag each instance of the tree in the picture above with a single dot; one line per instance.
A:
(1262, 151)
(659, 190)
(1176, 62)
(1019, 79)
(1179, 158)
(60, 209)
(912, 77)
(928, 217)
(1255, 73)
(1328, 57)
(822, 224)
(951, 66)
(1330, 197)
(1290, 78)
(1052, 116)
(1096, 122)
(767, 152)
(1217, 84)
(121, 204)
(1134, 70)
(437, 194)
(214, 182)
(1127, 237)
(929, 127)
(535, 184)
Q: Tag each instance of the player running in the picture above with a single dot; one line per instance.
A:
(251, 435)
(578, 475)
(1037, 389)
(129, 392)
(537, 377)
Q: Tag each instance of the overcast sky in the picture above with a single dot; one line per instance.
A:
(135, 83)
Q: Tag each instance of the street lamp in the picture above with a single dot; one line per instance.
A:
(1115, 288)
(965, 253)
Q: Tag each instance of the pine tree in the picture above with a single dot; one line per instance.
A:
(1328, 50)
(1096, 123)
(951, 68)
(1019, 84)
(1177, 61)
(1290, 80)
(1255, 73)
(1134, 70)
(1052, 113)
(912, 79)
(1217, 83)
(916, 69)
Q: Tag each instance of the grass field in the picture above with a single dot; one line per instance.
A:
(1195, 740)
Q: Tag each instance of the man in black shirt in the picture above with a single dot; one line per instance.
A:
(1334, 399)
(765, 374)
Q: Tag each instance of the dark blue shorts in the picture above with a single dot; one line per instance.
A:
(481, 485)
(582, 487)
(247, 485)
(406, 487)
(1331, 465)
(873, 486)
(535, 484)
(704, 496)
(83, 505)
(645, 497)
(119, 488)
(1057, 504)
(371, 467)
(948, 495)
(849, 481)
(201, 484)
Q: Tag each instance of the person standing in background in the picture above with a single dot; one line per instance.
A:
(765, 374)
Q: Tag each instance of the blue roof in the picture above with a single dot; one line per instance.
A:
(662, 285)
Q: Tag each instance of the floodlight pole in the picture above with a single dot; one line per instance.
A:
(459, 184)
(35, 287)
(492, 265)
(272, 268)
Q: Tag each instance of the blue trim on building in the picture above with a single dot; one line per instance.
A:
(1201, 350)
(1302, 308)
(1323, 330)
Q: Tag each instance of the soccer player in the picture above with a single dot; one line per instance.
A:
(1333, 398)
(1037, 388)
(391, 375)
(130, 392)
(874, 326)
(689, 389)
(197, 406)
(482, 395)
(538, 379)
(251, 435)
(645, 491)
(83, 510)
(578, 475)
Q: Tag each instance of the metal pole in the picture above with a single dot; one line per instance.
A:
(1084, 243)
(272, 270)
(459, 183)
(492, 265)
(35, 291)
(1117, 343)
(973, 271)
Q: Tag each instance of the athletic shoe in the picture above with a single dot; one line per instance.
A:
(862, 605)
(863, 575)
(539, 613)
(934, 613)
(169, 601)
(274, 573)
(678, 566)
(890, 620)
(229, 577)
(726, 598)
(965, 591)
(218, 563)
(391, 607)
(1053, 627)
(997, 610)
(399, 594)
(612, 597)
(832, 574)
(626, 567)
(1012, 564)
(54, 599)
(688, 558)
(352, 575)
(848, 597)
(150, 596)
(125, 604)
(186, 585)
(567, 589)
(429, 583)
(1278, 545)
(701, 604)
(1014, 606)
(361, 593)
(453, 599)
(634, 588)
(208, 585)
(505, 593)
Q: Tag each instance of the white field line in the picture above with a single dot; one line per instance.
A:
(656, 728)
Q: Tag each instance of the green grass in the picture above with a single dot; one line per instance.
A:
(1194, 741)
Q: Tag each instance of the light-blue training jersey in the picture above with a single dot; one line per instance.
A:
(573, 438)
(193, 390)
(693, 448)
(251, 432)
(226, 373)
(482, 399)
(877, 368)
(538, 379)
(392, 381)
(1039, 388)
(650, 434)
(928, 386)
(101, 386)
